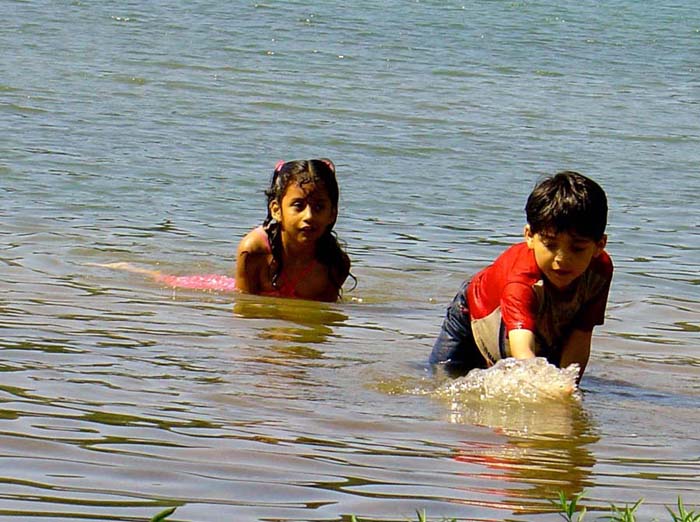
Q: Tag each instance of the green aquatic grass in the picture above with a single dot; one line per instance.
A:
(570, 510)
(163, 515)
(422, 517)
(569, 507)
(683, 515)
(625, 514)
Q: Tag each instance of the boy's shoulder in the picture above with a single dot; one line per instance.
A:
(517, 263)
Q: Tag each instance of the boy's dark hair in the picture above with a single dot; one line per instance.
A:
(568, 202)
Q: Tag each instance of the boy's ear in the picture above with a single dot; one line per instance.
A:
(275, 210)
(600, 245)
(529, 236)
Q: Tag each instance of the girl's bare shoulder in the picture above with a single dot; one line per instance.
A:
(254, 243)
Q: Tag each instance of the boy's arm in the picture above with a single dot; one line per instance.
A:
(577, 349)
(522, 343)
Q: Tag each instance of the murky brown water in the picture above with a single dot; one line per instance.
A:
(119, 399)
(146, 132)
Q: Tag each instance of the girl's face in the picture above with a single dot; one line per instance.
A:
(563, 256)
(304, 213)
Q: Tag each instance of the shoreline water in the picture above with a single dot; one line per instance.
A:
(146, 134)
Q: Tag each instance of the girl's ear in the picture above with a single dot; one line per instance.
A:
(276, 210)
(529, 236)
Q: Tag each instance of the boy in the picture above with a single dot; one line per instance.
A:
(542, 297)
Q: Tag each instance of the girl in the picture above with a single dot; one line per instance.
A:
(295, 252)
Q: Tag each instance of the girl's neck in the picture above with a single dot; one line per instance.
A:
(294, 254)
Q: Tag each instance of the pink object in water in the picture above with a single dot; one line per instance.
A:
(215, 282)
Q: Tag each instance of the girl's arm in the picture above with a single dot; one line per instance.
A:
(577, 349)
(251, 254)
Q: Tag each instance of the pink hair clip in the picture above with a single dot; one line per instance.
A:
(329, 163)
(279, 165)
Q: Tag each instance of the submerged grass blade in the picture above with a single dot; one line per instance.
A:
(163, 515)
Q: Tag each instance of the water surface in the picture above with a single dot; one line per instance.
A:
(146, 133)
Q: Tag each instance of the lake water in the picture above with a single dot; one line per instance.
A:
(145, 132)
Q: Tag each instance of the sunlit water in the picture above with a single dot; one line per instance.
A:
(146, 132)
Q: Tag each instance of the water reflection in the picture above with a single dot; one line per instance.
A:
(292, 332)
(547, 449)
(311, 322)
(548, 418)
(548, 433)
(542, 440)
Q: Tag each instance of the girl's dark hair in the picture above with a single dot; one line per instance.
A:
(568, 201)
(328, 250)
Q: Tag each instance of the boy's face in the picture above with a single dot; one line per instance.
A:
(562, 256)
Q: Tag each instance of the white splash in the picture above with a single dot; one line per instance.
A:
(515, 397)
(514, 380)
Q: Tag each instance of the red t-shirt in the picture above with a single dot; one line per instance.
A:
(513, 294)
